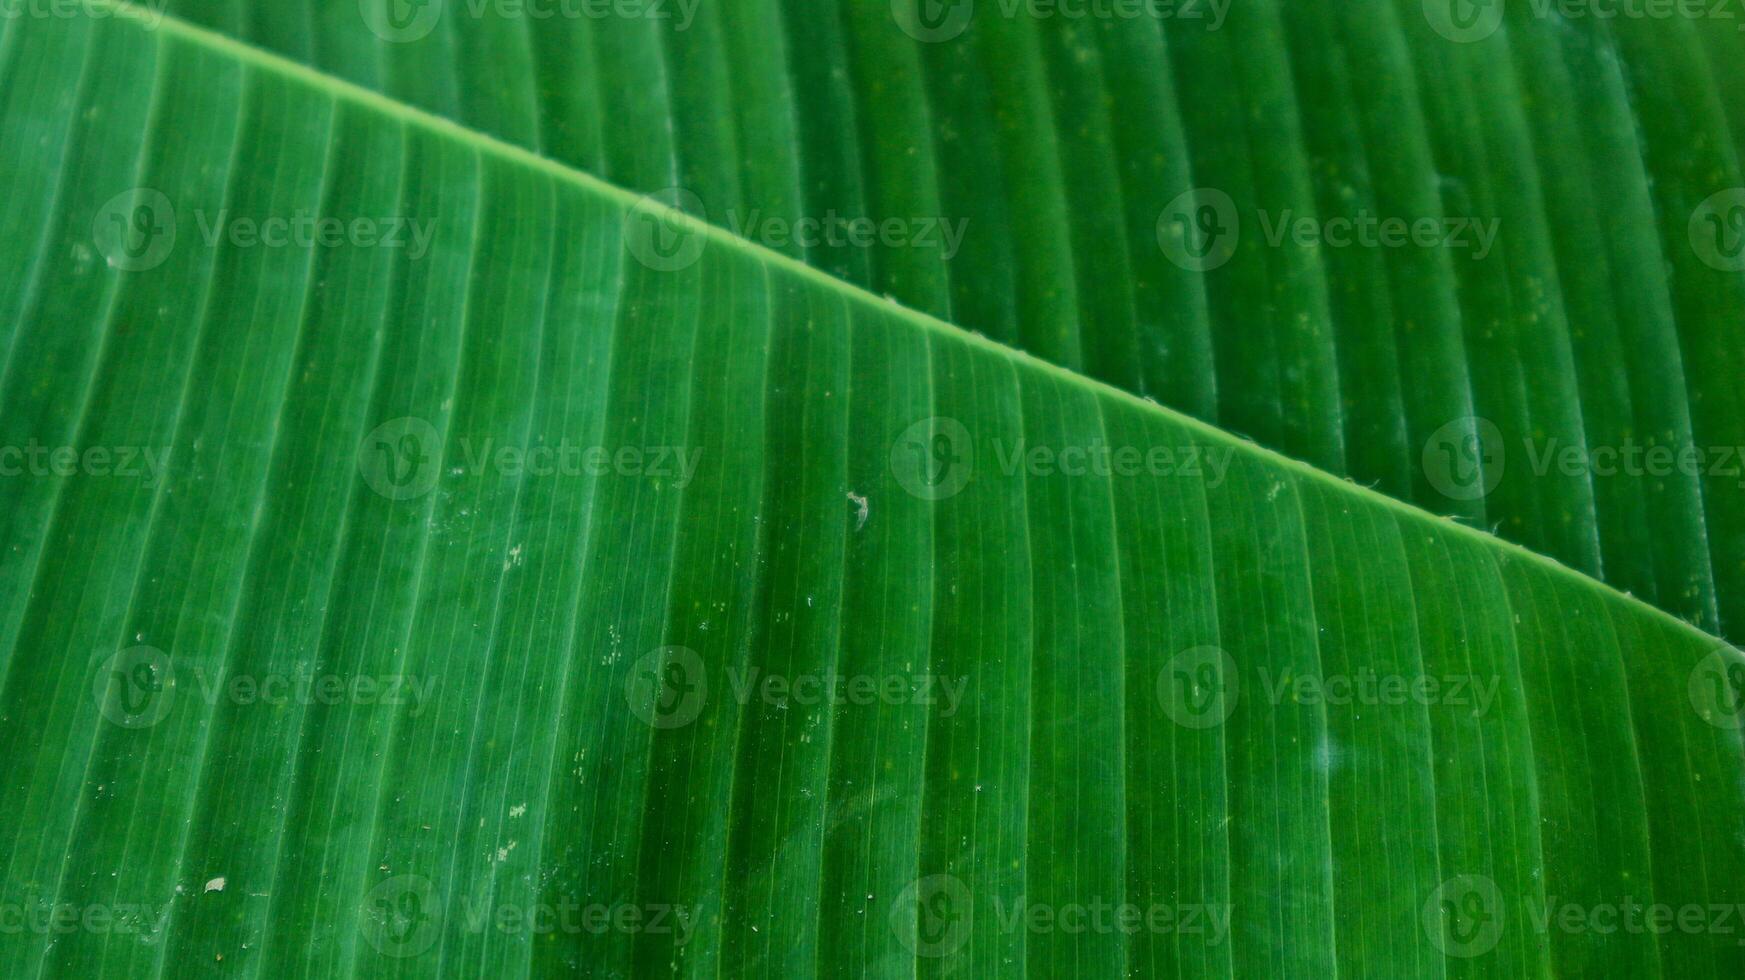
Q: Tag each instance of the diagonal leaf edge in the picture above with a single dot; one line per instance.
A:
(1652, 84)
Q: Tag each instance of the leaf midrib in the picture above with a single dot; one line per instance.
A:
(714, 236)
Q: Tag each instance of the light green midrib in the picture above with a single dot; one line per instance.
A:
(409, 115)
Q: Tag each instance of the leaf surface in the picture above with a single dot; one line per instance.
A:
(1543, 340)
(826, 639)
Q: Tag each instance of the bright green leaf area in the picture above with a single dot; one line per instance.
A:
(586, 591)
(1565, 264)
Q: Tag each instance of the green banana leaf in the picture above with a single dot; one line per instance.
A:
(423, 559)
(1483, 255)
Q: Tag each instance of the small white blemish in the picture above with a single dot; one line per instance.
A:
(215, 885)
(861, 507)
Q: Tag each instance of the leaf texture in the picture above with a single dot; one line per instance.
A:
(832, 649)
(1553, 356)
